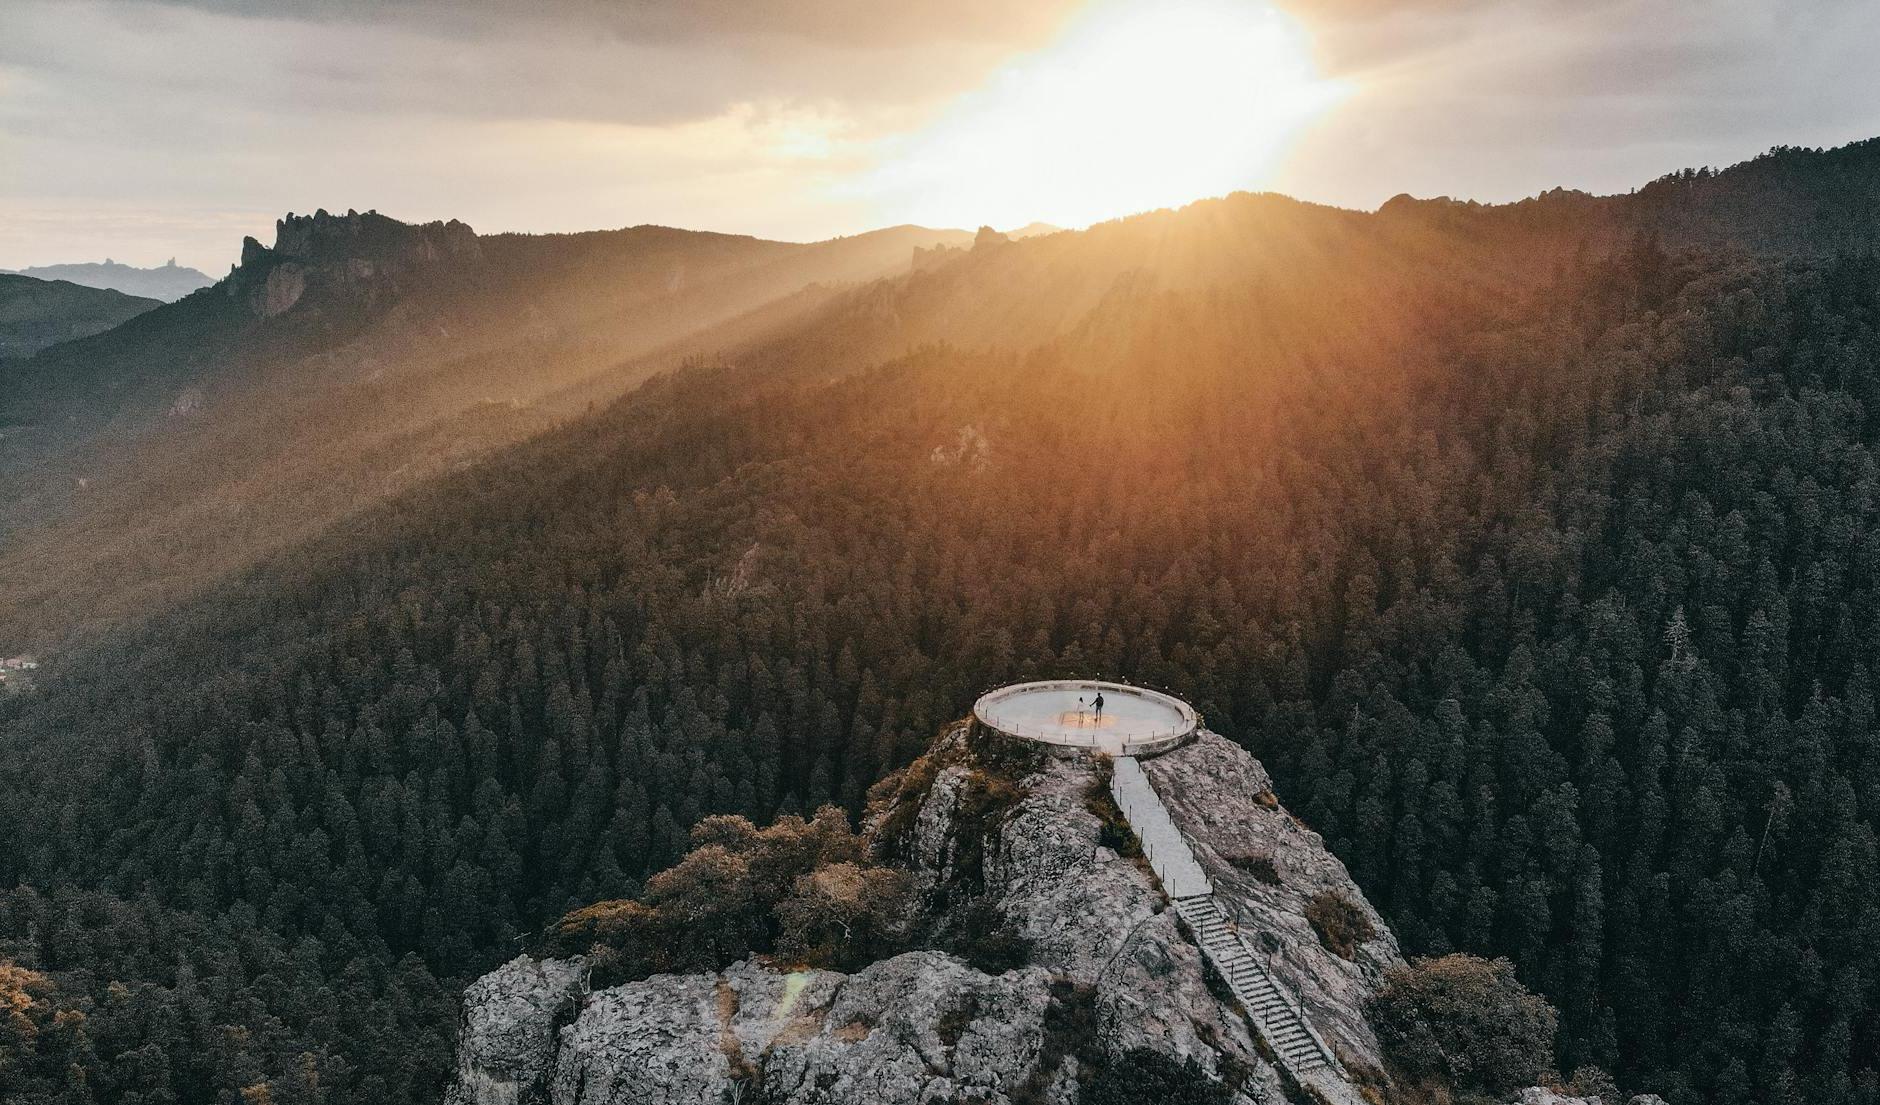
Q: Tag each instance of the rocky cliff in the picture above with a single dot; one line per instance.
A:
(351, 260)
(1107, 973)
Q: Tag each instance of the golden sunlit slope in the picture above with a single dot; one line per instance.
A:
(141, 464)
(1017, 293)
(357, 358)
(1787, 203)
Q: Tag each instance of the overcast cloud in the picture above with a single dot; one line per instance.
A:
(146, 129)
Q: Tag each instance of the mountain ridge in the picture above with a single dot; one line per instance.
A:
(167, 283)
(432, 318)
(36, 314)
(1790, 201)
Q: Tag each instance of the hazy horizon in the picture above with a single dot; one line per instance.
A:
(808, 121)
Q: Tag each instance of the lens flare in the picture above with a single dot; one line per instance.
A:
(1136, 106)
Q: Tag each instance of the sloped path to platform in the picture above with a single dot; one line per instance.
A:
(1170, 856)
(1275, 1013)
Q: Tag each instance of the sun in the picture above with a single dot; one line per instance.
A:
(1136, 106)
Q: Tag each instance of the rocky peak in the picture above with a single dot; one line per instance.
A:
(326, 262)
(1023, 854)
(324, 238)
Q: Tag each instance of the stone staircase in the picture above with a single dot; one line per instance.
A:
(1279, 1019)
(1281, 1022)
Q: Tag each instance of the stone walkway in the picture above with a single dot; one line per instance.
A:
(1168, 853)
(1280, 1020)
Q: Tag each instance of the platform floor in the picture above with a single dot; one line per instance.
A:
(1069, 717)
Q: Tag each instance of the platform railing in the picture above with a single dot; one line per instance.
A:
(1128, 743)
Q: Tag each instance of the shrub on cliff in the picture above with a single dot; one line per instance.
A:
(739, 891)
(1466, 1023)
(1341, 925)
(1113, 830)
(844, 916)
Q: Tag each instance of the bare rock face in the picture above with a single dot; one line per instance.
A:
(1102, 921)
(1541, 1095)
(506, 1041)
(348, 262)
(933, 842)
(918, 1027)
(1223, 800)
(1078, 904)
(656, 1040)
(284, 287)
(926, 1026)
(371, 238)
(188, 403)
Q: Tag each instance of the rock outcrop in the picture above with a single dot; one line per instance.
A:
(1541, 1095)
(1105, 956)
(507, 1038)
(1267, 867)
(347, 261)
(918, 1027)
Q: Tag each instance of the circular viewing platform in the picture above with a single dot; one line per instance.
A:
(1130, 721)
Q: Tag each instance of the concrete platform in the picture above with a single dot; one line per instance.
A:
(1133, 721)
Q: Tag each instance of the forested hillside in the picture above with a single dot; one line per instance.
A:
(355, 358)
(36, 313)
(1543, 578)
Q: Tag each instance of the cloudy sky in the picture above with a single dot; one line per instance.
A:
(142, 129)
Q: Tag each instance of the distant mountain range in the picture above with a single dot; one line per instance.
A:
(1032, 230)
(167, 283)
(37, 313)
